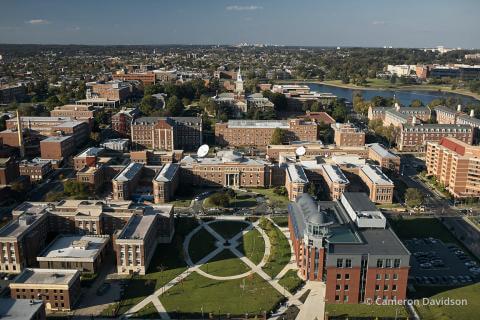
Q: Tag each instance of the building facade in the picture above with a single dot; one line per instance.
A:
(347, 135)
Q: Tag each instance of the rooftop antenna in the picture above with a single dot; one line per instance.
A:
(203, 150)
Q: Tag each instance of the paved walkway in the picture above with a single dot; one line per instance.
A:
(195, 267)
(314, 306)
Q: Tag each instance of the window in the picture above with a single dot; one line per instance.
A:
(339, 263)
(379, 263)
(377, 287)
(395, 276)
(348, 263)
(339, 276)
(345, 298)
(394, 287)
(337, 298)
(387, 276)
(388, 263)
(385, 287)
(347, 276)
(379, 276)
(396, 263)
(346, 287)
(337, 287)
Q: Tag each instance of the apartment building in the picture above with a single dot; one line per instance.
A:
(59, 289)
(258, 133)
(347, 135)
(36, 170)
(414, 137)
(456, 165)
(135, 244)
(171, 133)
(362, 261)
(379, 185)
(406, 113)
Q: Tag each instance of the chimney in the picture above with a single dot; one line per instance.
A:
(459, 108)
(20, 136)
(472, 113)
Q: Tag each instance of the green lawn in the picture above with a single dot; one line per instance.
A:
(342, 311)
(147, 312)
(248, 295)
(225, 264)
(252, 246)
(469, 311)
(228, 229)
(201, 244)
(167, 263)
(280, 201)
(291, 281)
(282, 221)
(279, 251)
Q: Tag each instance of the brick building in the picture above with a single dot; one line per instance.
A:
(147, 78)
(57, 147)
(296, 181)
(456, 165)
(259, 133)
(8, 171)
(74, 111)
(379, 185)
(275, 152)
(22, 309)
(421, 113)
(359, 258)
(58, 289)
(171, 133)
(335, 180)
(122, 121)
(384, 157)
(347, 135)
(37, 171)
(135, 244)
(10, 93)
(113, 90)
(446, 115)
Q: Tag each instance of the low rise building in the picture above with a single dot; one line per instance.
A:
(83, 253)
(384, 157)
(348, 245)
(275, 152)
(296, 181)
(335, 180)
(8, 171)
(22, 309)
(154, 157)
(74, 111)
(116, 90)
(36, 170)
(166, 182)
(57, 147)
(347, 135)
(122, 121)
(59, 289)
(259, 133)
(125, 182)
(379, 185)
(121, 145)
(420, 113)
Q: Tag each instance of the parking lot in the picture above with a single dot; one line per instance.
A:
(436, 263)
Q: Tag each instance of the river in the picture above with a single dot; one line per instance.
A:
(405, 96)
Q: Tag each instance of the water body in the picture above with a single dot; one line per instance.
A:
(405, 96)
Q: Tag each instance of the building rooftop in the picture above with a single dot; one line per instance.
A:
(376, 175)
(18, 227)
(168, 172)
(137, 227)
(258, 124)
(56, 139)
(335, 174)
(19, 309)
(92, 151)
(435, 127)
(73, 248)
(129, 172)
(46, 276)
(296, 174)
(381, 151)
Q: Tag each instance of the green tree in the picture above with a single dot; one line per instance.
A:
(174, 106)
(278, 136)
(220, 199)
(52, 102)
(312, 189)
(413, 197)
(148, 104)
(416, 103)
(339, 112)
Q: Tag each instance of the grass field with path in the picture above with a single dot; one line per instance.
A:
(282, 221)
(252, 246)
(279, 200)
(201, 244)
(365, 310)
(291, 281)
(225, 264)
(251, 295)
(279, 251)
(147, 312)
(227, 229)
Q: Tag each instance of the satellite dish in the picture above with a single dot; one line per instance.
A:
(203, 150)
(300, 151)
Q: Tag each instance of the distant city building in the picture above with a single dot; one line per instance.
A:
(348, 245)
(116, 90)
(403, 70)
(11, 93)
(147, 77)
(297, 95)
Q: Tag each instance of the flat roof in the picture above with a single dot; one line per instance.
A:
(137, 227)
(258, 124)
(375, 174)
(46, 276)
(19, 309)
(92, 151)
(19, 226)
(56, 139)
(75, 248)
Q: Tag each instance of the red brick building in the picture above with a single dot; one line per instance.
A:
(8, 171)
(348, 245)
(57, 147)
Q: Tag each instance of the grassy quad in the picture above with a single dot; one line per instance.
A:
(252, 246)
(225, 264)
(279, 250)
(147, 312)
(281, 221)
(167, 263)
(251, 295)
(279, 200)
(344, 311)
(228, 229)
(201, 244)
(291, 281)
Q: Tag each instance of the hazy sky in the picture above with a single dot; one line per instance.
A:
(398, 23)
